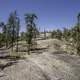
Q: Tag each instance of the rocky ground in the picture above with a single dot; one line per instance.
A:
(51, 62)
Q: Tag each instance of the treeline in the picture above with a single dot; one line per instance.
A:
(10, 31)
(71, 35)
(10, 34)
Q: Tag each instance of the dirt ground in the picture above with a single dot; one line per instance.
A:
(51, 62)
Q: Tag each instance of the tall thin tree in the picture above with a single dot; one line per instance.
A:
(31, 27)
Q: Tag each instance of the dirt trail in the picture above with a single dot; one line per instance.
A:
(45, 66)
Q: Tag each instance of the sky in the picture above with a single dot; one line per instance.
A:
(52, 14)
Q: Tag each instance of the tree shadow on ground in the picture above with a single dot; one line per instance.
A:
(34, 50)
(60, 52)
(38, 50)
(12, 58)
(3, 66)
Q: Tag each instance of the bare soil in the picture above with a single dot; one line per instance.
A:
(50, 62)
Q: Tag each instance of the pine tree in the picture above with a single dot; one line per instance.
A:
(31, 30)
